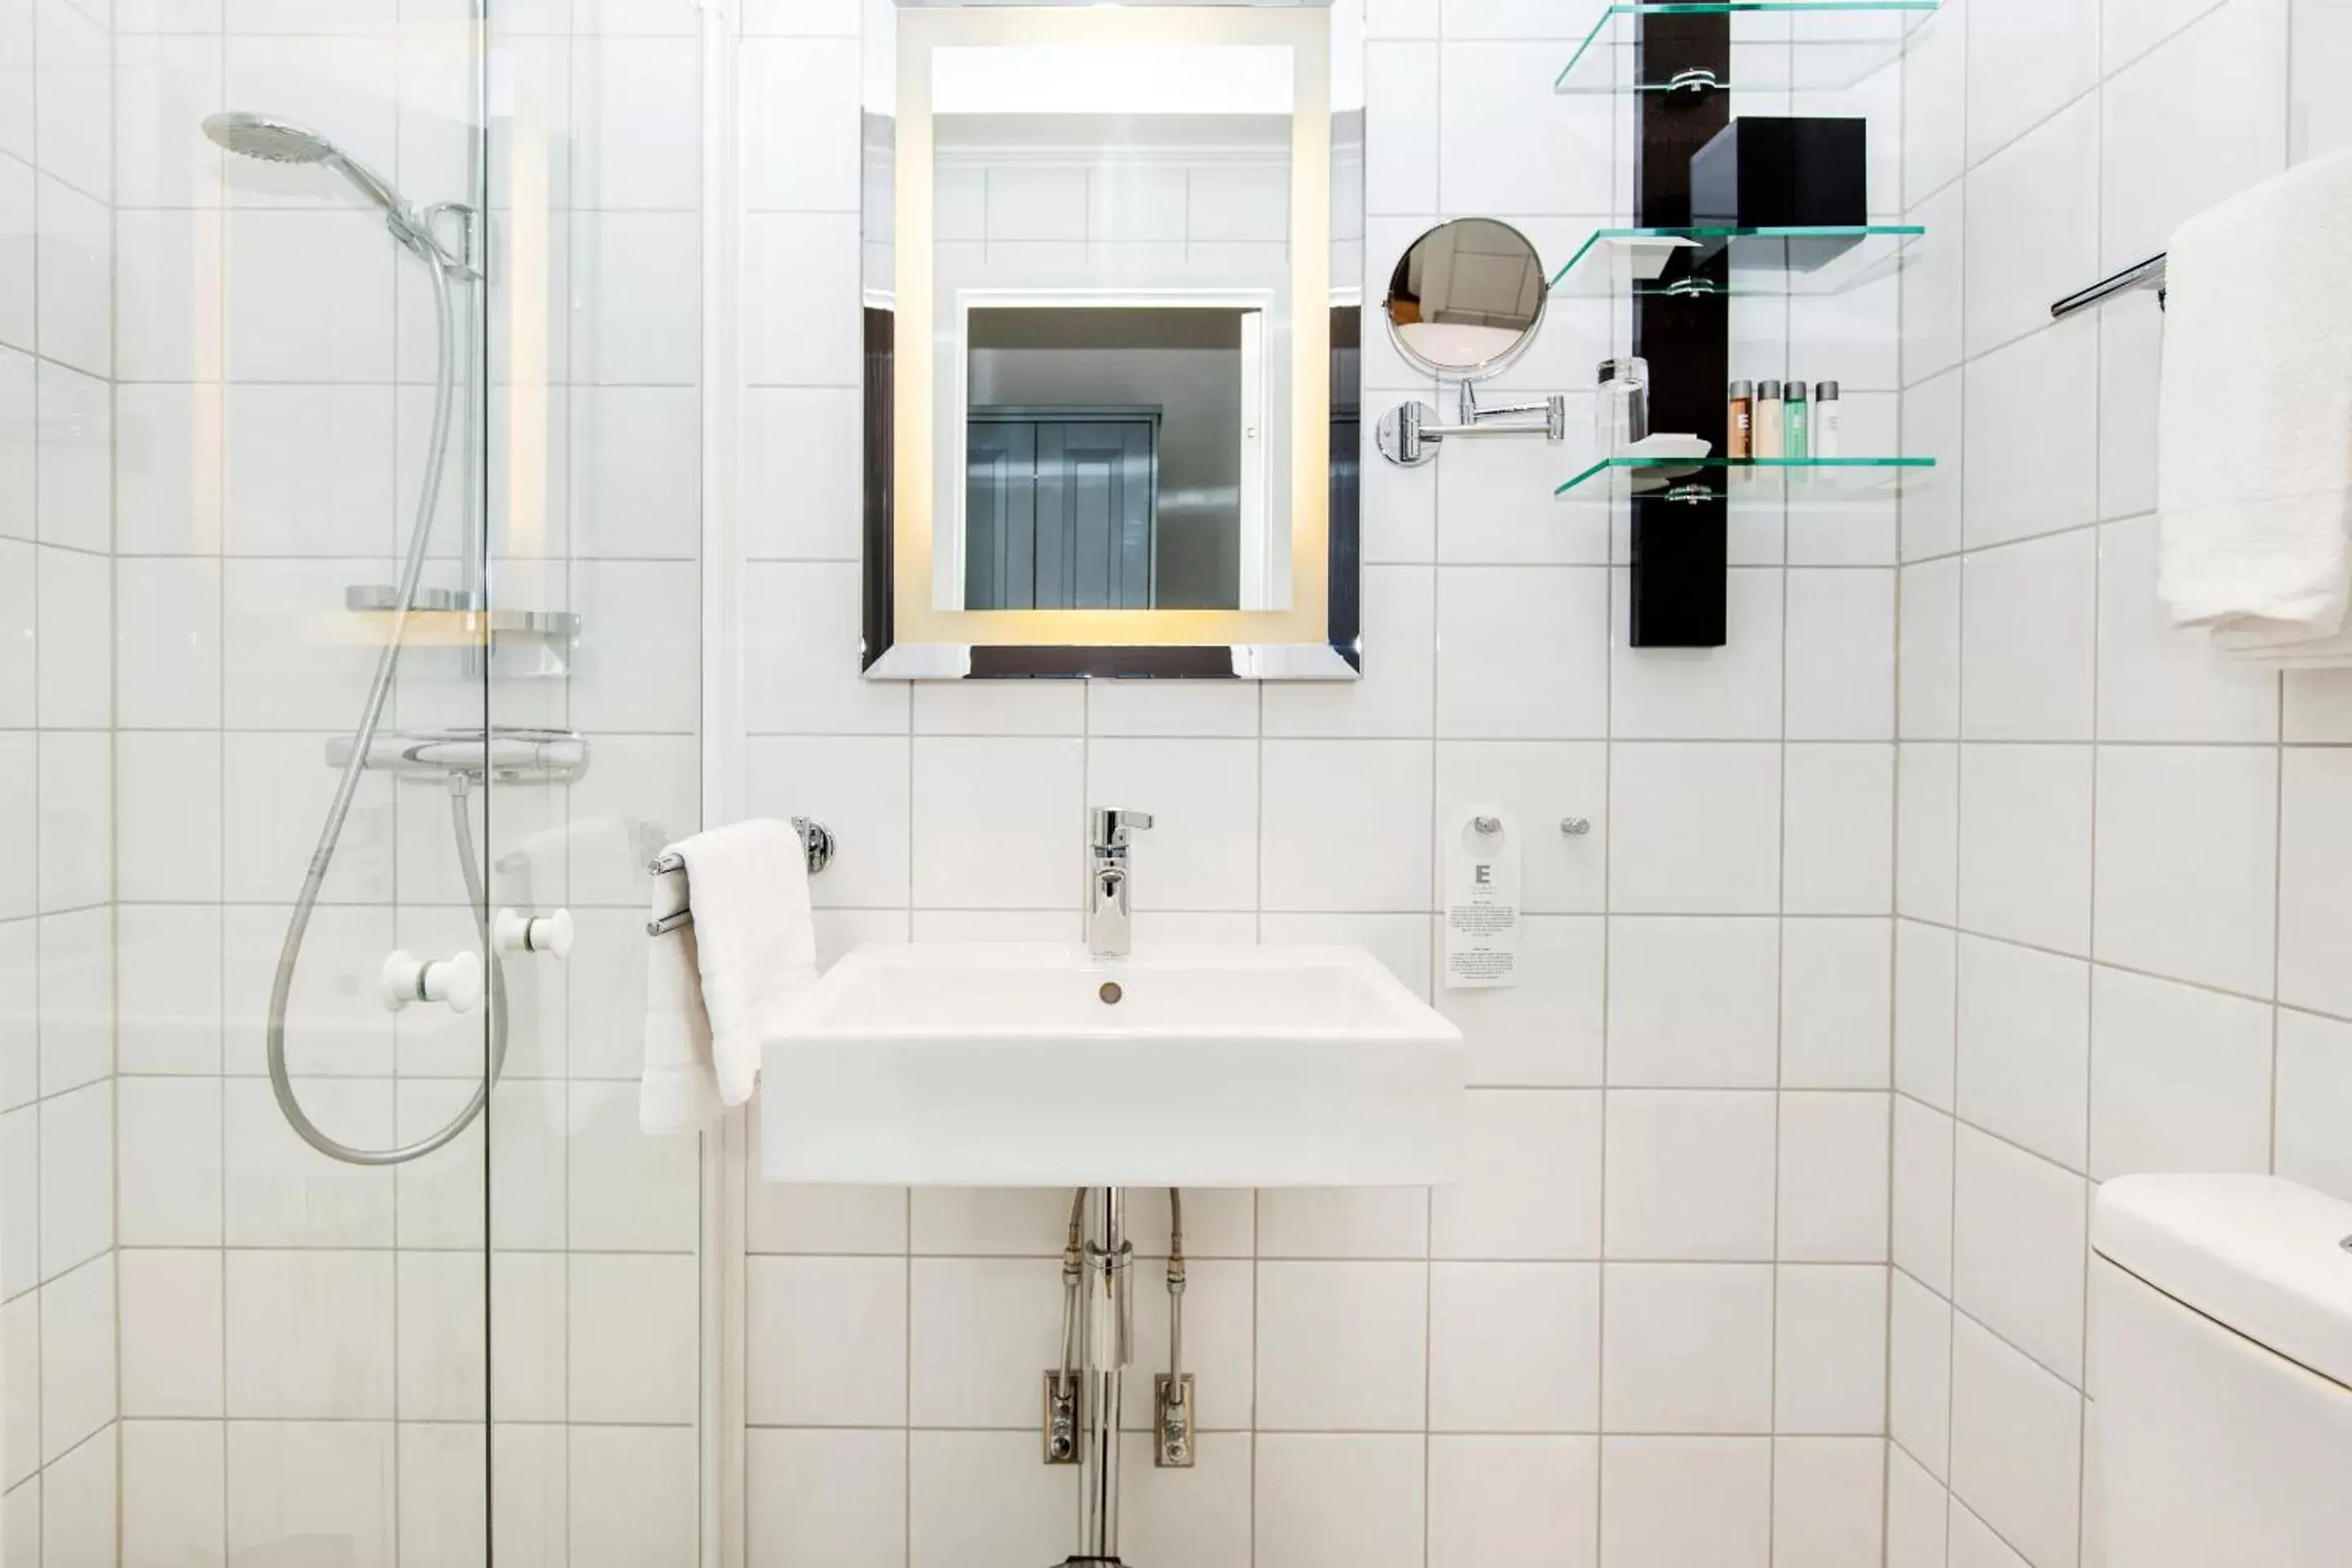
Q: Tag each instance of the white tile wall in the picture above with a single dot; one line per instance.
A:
(1682, 1128)
(2083, 990)
(1647, 1485)
(60, 1279)
(1490, 1497)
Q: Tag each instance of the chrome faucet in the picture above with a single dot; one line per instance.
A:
(1110, 918)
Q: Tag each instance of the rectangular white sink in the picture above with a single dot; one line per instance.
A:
(989, 1064)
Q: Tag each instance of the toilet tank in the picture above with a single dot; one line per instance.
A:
(2220, 1344)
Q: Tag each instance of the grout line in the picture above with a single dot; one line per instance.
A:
(1950, 1261)
(1513, 1432)
(2098, 331)
(1288, 1259)
(906, 1440)
(2088, 743)
(218, 510)
(1433, 948)
(1959, 1121)
(1779, 1037)
(2098, 963)
(472, 1423)
(1895, 824)
(38, 1290)
(2278, 810)
(1608, 928)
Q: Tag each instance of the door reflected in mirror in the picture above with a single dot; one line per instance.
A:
(1115, 457)
(1112, 227)
(1466, 298)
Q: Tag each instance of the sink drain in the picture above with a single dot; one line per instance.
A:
(1111, 994)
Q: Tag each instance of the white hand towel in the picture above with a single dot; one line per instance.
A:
(755, 943)
(679, 1090)
(2254, 426)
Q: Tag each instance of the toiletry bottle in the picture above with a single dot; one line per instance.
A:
(1766, 442)
(1739, 430)
(1826, 421)
(1796, 424)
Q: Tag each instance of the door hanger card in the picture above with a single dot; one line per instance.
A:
(1482, 901)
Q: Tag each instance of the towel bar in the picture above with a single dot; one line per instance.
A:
(2148, 274)
(815, 837)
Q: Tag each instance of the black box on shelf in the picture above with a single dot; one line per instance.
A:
(1785, 172)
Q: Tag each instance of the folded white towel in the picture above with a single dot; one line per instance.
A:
(679, 1090)
(2263, 643)
(753, 948)
(2255, 429)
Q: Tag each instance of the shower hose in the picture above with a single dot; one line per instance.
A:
(387, 665)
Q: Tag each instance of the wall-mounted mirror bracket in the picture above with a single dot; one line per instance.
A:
(1464, 300)
(1409, 433)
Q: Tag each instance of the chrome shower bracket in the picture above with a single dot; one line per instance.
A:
(466, 260)
(1409, 434)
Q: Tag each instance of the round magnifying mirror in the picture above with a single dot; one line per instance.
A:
(1466, 298)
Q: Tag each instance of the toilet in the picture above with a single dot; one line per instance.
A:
(2221, 1343)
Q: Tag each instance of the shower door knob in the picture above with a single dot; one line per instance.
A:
(456, 982)
(550, 934)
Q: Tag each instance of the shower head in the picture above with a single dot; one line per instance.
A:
(274, 141)
(271, 141)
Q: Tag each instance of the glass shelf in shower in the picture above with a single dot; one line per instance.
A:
(1799, 481)
(1777, 46)
(1623, 263)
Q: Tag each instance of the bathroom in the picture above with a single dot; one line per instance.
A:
(1658, 959)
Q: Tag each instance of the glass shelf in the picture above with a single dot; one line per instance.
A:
(1804, 480)
(1777, 46)
(1616, 263)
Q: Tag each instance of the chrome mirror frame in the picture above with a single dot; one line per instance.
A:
(1485, 369)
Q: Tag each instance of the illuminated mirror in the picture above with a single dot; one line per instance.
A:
(1127, 241)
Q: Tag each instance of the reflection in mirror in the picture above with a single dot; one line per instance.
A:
(1113, 228)
(1114, 458)
(1466, 298)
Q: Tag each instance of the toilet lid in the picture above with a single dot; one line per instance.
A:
(2259, 1254)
